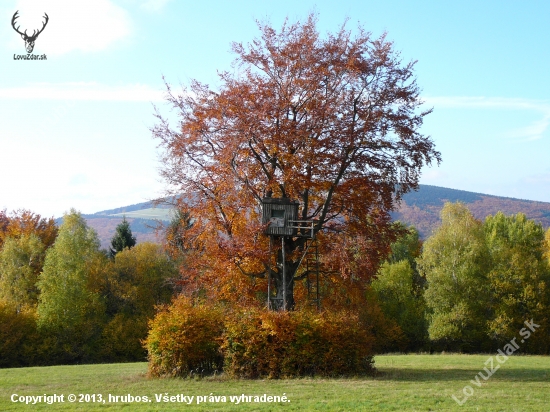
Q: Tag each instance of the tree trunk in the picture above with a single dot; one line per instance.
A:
(284, 296)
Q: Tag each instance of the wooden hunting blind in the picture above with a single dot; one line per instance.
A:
(280, 218)
(279, 214)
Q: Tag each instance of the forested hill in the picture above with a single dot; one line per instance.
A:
(146, 219)
(138, 207)
(421, 208)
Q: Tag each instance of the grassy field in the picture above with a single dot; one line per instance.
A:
(404, 383)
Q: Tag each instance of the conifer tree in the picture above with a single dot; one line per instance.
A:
(122, 239)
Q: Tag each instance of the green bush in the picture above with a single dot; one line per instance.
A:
(394, 290)
(121, 339)
(19, 338)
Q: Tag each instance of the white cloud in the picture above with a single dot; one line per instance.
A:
(541, 179)
(487, 102)
(61, 180)
(83, 91)
(84, 25)
(154, 5)
(83, 170)
(533, 131)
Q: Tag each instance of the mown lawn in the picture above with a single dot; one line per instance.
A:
(404, 383)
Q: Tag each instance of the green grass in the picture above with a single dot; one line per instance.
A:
(404, 383)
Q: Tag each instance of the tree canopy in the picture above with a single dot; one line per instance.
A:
(332, 122)
(21, 261)
(455, 261)
(519, 277)
(24, 222)
(69, 303)
(24, 238)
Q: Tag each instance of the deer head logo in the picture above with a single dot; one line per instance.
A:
(29, 40)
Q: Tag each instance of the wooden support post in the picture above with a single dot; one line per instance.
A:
(284, 272)
(269, 275)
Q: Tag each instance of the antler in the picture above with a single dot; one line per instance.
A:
(13, 24)
(34, 33)
(44, 25)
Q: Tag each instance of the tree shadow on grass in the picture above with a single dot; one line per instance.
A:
(438, 375)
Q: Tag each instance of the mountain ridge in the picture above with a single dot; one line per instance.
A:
(418, 208)
(421, 208)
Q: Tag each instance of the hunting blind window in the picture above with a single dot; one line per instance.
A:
(277, 218)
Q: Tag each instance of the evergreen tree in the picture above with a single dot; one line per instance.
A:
(122, 239)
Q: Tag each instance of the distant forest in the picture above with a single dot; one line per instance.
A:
(421, 208)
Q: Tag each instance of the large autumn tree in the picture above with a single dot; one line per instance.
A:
(332, 122)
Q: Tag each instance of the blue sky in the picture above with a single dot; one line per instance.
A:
(74, 129)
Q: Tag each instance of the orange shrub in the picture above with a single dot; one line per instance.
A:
(254, 343)
(260, 344)
(184, 338)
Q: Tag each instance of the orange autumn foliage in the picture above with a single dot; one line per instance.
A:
(260, 344)
(185, 338)
(196, 338)
(24, 222)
